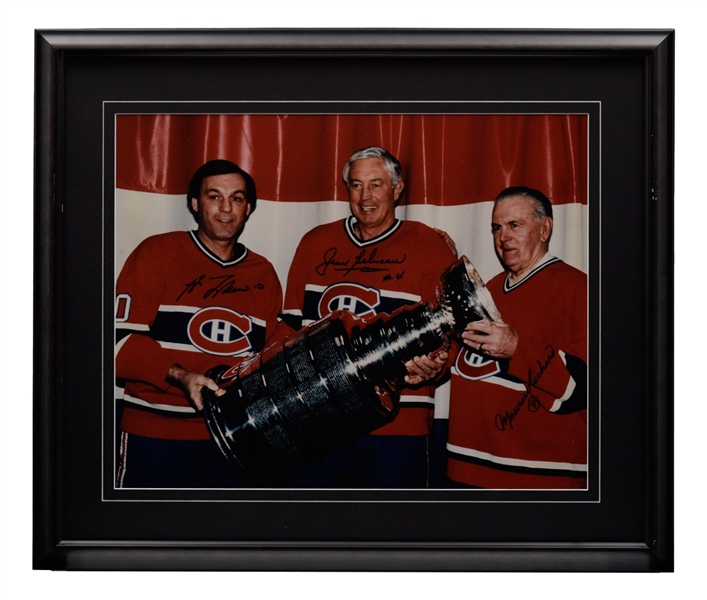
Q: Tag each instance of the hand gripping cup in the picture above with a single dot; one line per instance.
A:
(335, 380)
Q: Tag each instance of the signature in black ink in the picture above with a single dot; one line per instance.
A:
(190, 287)
(397, 276)
(364, 262)
(329, 260)
(224, 285)
(527, 398)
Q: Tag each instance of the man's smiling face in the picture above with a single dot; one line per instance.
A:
(372, 196)
(222, 208)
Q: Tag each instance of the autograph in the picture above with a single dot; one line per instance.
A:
(397, 276)
(362, 262)
(505, 421)
(225, 285)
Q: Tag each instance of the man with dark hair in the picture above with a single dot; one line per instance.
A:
(372, 263)
(220, 167)
(186, 302)
(518, 406)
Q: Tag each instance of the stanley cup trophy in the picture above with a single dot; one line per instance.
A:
(335, 380)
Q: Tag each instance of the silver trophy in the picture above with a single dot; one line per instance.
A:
(333, 381)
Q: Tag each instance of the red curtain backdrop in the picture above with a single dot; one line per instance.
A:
(447, 159)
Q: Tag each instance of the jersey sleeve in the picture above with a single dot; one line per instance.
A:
(294, 292)
(275, 328)
(555, 370)
(138, 356)
(438, 257)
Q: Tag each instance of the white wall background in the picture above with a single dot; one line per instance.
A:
(18, 19)
(275, 228)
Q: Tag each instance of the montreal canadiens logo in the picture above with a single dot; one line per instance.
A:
(473, 366)
(220, 331)
(360, 300)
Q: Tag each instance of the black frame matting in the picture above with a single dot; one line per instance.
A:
(626, 526)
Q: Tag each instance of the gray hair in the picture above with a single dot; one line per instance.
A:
(542, 207)
(391, 163)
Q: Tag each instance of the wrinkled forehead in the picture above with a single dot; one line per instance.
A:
(513, 208)
(369, 168)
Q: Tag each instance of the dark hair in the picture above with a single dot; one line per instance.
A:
(220, 167)
(542, 204)
(391, 163)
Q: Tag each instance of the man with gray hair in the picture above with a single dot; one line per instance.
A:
(372, 263)
(518, 405)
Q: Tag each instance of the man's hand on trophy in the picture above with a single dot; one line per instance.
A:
(497, 340)
(425, 368)
(192, 383)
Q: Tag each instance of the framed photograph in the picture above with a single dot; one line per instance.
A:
(287, 215)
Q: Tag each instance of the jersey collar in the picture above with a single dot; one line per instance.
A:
(545, 261)
(239, 252)
(349, 227)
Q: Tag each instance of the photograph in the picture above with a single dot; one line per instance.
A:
(439, 383)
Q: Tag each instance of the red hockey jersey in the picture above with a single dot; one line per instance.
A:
(334, 270)
(522, 423)
(177, 302)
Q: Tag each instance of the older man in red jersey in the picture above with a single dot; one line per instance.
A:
(372, 263)
(518, 407)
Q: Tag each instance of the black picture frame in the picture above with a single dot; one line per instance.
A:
(74, 71)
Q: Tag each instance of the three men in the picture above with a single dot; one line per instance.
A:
(186, 302)
(371, 263)
(518, 407)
